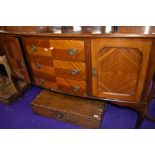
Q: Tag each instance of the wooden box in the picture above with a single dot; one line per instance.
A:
(86, 113)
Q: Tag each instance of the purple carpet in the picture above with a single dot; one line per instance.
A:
(20, 116)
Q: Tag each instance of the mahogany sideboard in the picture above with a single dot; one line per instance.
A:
(118, 66)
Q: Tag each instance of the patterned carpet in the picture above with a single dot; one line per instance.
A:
(20, 116)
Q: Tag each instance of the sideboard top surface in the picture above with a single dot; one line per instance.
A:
(81, 31)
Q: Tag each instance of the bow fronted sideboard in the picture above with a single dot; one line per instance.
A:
(116, 66)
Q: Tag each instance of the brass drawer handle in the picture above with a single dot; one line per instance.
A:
(33, 48)
(59, 116)
(66, 119)
(72, 51)
(42, 80)
(76, 88)
(74, 71)
(94, 72)
(37, 66)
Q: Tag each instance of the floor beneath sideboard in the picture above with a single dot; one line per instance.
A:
(20, 116)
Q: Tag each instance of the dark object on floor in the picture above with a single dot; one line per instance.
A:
(9, 93)
(83, 112)
(10, 86)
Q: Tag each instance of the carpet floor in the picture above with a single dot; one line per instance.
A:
(19, 115)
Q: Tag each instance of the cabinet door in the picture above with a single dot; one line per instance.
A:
(119, 68)
(15, 58)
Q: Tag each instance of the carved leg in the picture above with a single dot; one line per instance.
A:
(151, 95)
(150, 118)
(142, 113)
(140, 108)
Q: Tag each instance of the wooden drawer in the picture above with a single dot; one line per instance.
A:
(68, 54)
(72, 50)
(44, 76)
(42, 68)
(21, 28)
(43, 60)
(45, 83)
(65, 69)
(83, 112)
(42, 64)
(70, 70)
(38, 47)
(60, 84)
(71, 86)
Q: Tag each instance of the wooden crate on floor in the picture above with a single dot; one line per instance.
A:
(83, 112)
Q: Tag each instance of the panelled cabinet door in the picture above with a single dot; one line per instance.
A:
(119, 68)
(15, 58)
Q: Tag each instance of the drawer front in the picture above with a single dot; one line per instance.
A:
(42, 68)
(67, 44)
(38, 47)
(21, 28)
(43, 76)
(47, 61)
(65, 69)
(45, 83)
(71, 86)
(39, 51)
(42, 64)
(72, 50)
(60, 84)
(68, 54)
(68, 69)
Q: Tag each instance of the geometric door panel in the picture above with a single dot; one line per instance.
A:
(120, 68)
